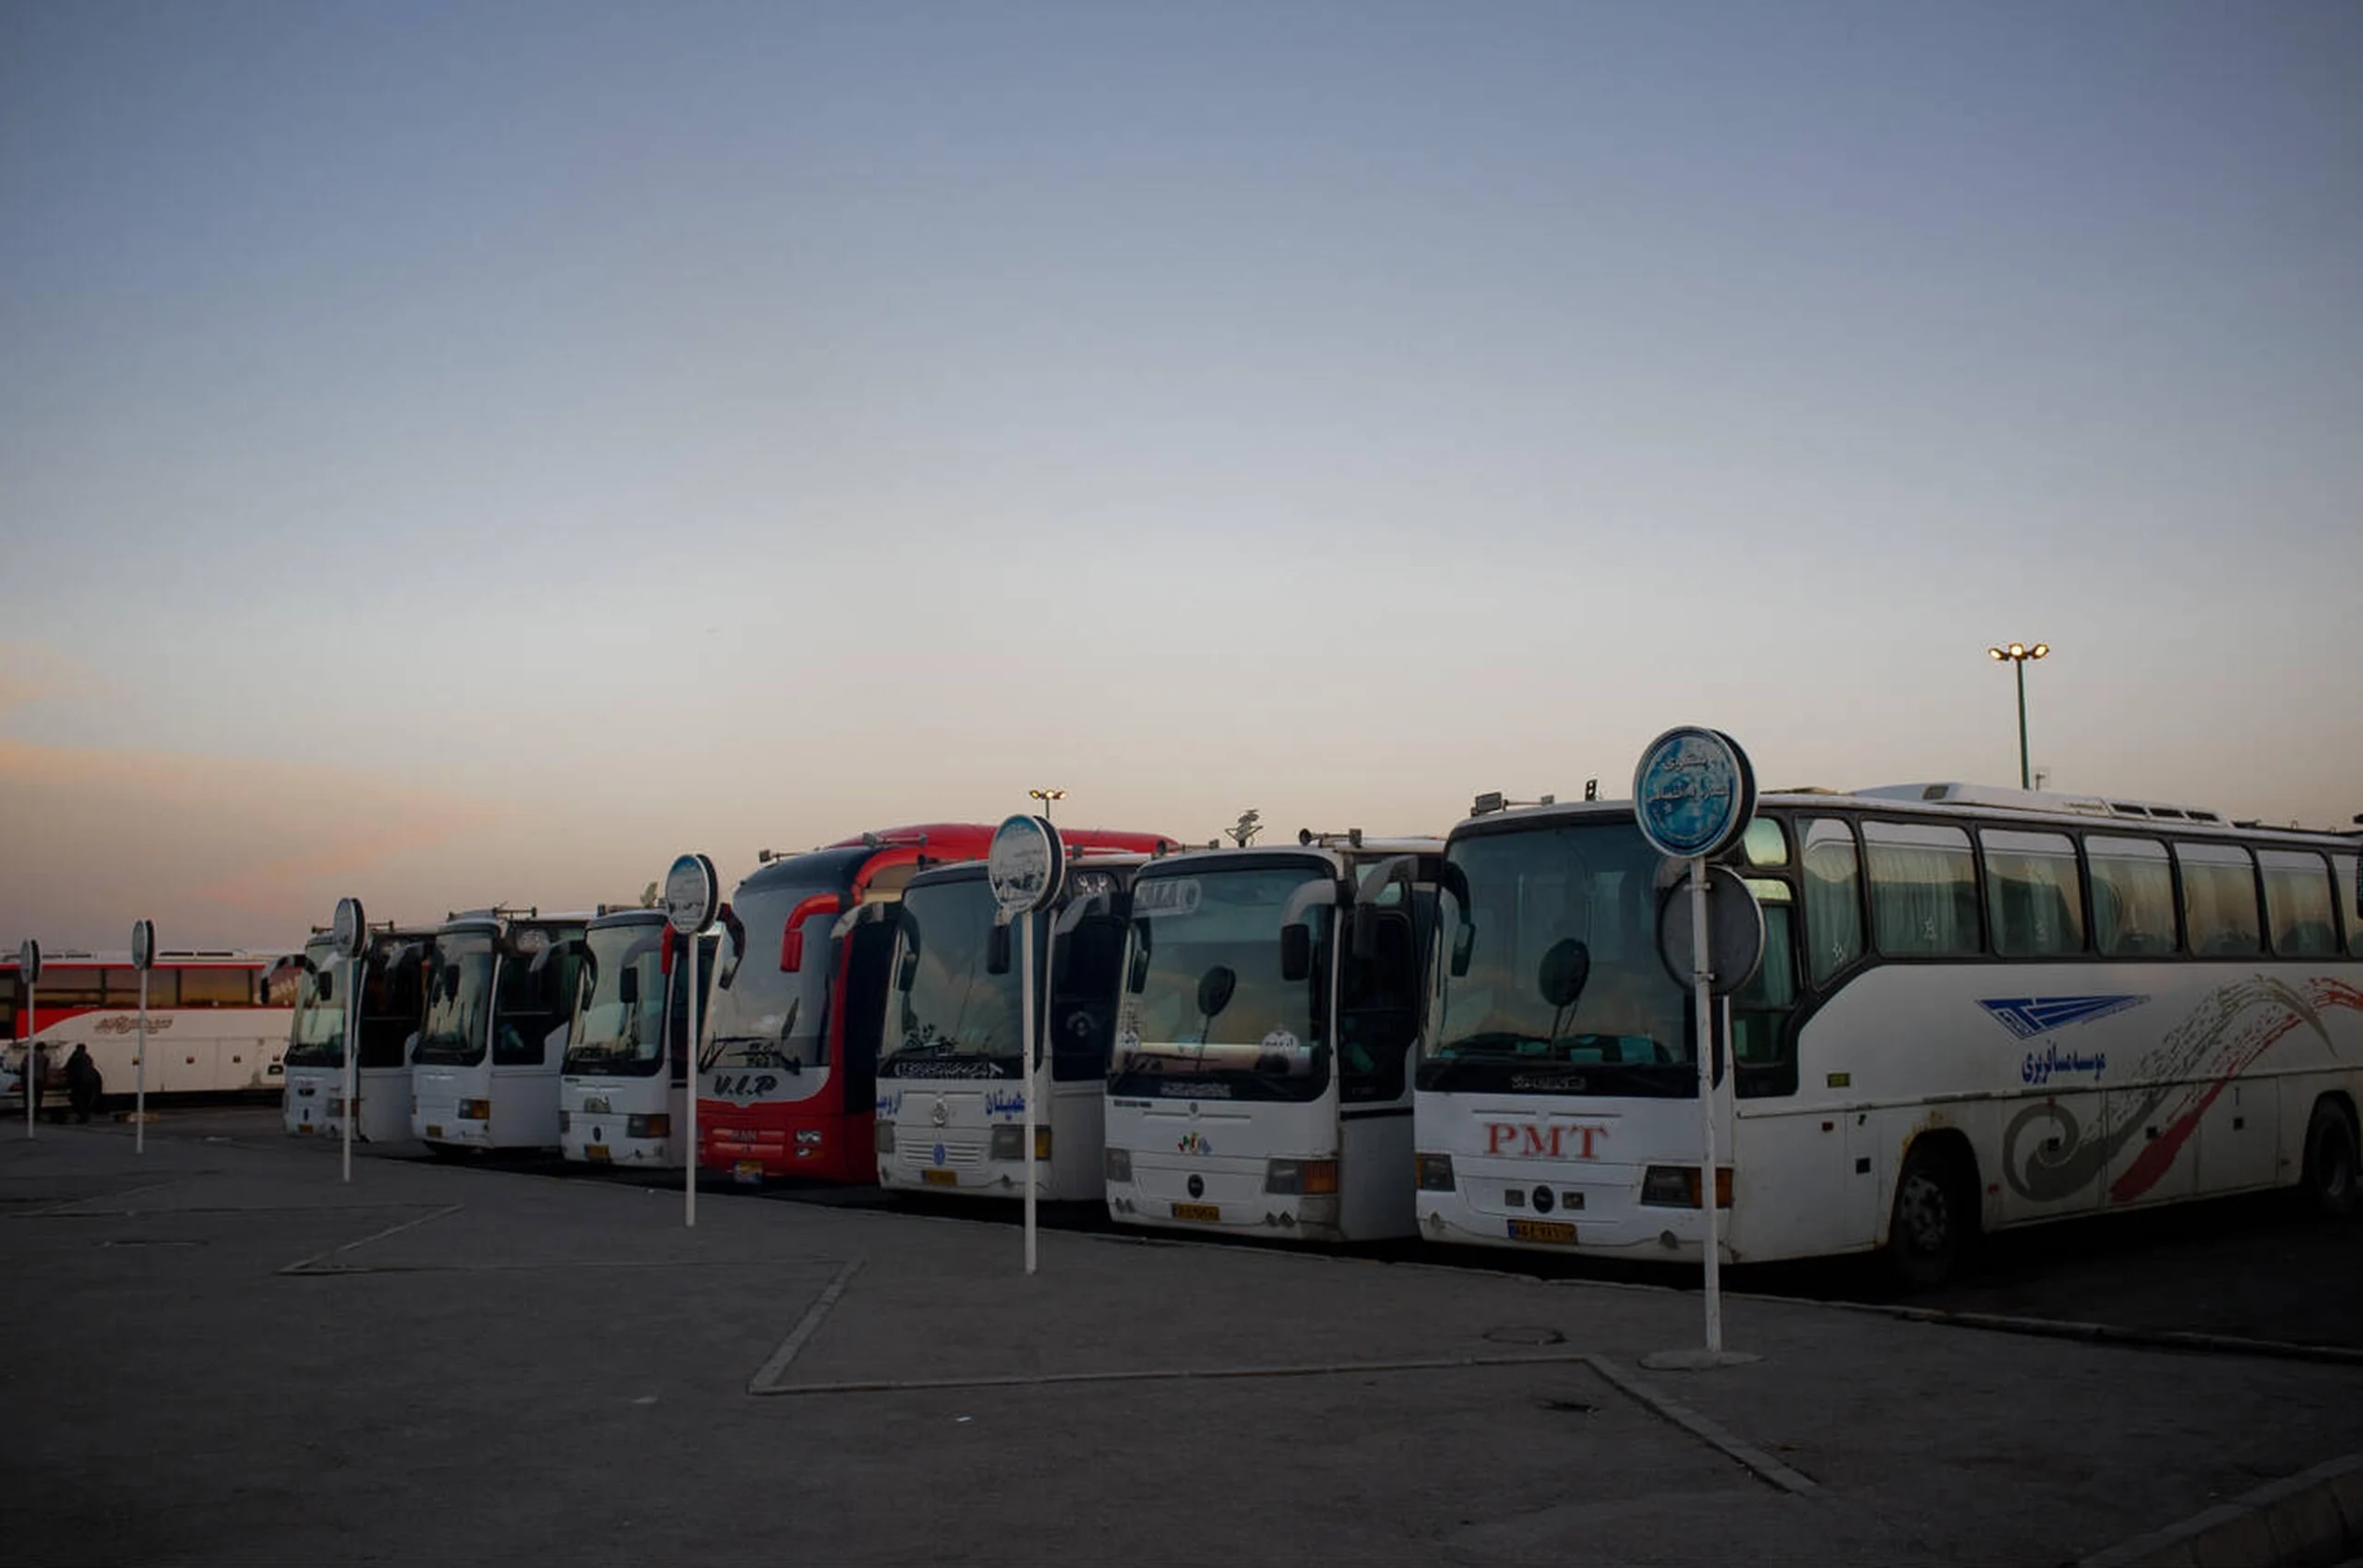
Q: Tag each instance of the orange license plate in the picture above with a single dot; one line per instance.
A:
(1557, 1231)
(1204, 1214)
(940, 1179)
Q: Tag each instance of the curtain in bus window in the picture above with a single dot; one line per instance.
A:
(1833, 897)
(1924, 889)
(2034, 894)
(216, 987)
(2219, 914)
(2297, 902)
(2133, 897)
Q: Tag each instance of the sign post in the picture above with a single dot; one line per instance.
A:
(350, 936)
(29, 965)
(1694, 794)
(692, 899)
(1027, 867)
(143, 958)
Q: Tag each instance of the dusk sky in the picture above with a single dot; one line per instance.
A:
(473, 453)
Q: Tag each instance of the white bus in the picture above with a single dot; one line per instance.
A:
(485, 1073)
(623, 1094)
(953, 1079)
(393, 999)
(214, 1026)
(1232, 1104)
(1978, 1008)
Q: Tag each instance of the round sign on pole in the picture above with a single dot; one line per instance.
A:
(692, 895)
(1694, 792)
(1734, 932)
(143, 945)
(351, 930)
(29, 962)
(1026, 864)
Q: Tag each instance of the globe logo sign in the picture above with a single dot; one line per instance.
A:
(1694, 792)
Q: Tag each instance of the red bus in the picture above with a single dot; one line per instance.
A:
(787, 1069)
(217, 1022)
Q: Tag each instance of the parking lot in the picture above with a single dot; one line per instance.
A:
(231, 1356)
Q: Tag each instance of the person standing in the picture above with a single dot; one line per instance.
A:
(84, 1083)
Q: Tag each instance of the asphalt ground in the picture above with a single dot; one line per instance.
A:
(229, 1355)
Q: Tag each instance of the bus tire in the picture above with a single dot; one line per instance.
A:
(1933, 1219)
(2333, 1185)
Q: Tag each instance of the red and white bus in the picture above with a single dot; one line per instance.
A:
(214, 1026)
(787, 1072)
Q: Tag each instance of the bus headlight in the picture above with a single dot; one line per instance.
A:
(1435, 1172)
(1295, 1176)
(885, 1139)
(658, 1126)
(1118, 1164)
(475, 1110)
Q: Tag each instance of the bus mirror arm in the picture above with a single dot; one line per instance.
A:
(1296, 952)
(996, 949)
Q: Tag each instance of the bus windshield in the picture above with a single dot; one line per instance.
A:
(953, 1010)
(764, 1015)
(319, 1035)
(1549, 960)
(618, 1025)
(456, 1009)
(1206, 1009)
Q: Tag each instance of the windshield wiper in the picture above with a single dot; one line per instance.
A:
(765, 1054)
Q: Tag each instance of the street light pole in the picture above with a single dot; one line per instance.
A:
(2017, 654)
(1045, 797)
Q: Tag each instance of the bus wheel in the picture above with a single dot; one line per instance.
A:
(1925, 1234)
(2332, 1183)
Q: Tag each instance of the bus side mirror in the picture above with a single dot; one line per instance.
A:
(996, 949)
(1464, 936)
(736, 931)
(628, 987)
(1296, 952)
(324, 986)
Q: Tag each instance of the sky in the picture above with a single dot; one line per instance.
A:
(476, 453)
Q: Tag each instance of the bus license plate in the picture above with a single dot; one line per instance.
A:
(1204, 1214)
(595, 1152)
(751, 1172)
(939, 1178)
(303, 1129)
(1558, 1230)
(433, 1130)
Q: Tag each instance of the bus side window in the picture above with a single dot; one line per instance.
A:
(1924, 889)
(2133, 897)
(2346, 893)
(2033, 894)
(1833, 908)
(1082, 1015)
(1379, 999)
(2298, 901)
(2219, 899)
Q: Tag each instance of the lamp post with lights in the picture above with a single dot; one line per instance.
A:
(1045, 797)
(2016, 655)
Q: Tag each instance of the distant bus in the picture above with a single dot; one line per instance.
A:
(1261, 1081)
(1978, 1008)
(788, 1074)
(394, 971)
(213, 1028)
(954, 1076)
(623, 1095)
(484, 1074)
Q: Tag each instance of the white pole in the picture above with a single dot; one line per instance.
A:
(352, 1083)
(32, 1037)
(688, 970)
(1703, 1005)
(1025, 1055)
(140, 1071)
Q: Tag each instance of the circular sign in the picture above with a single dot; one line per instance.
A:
(351, 930)
(1025, 865)
(692, 895)
(1694, 792)
(1734, 932)
(29, 962)
(143, 944)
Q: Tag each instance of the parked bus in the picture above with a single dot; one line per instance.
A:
(1233, 1104)
(1977, 1008)
(953, 1080)
(623, 1093)
(788, 1074)
(394, 969)
(485, 1073)
(213, 1026)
